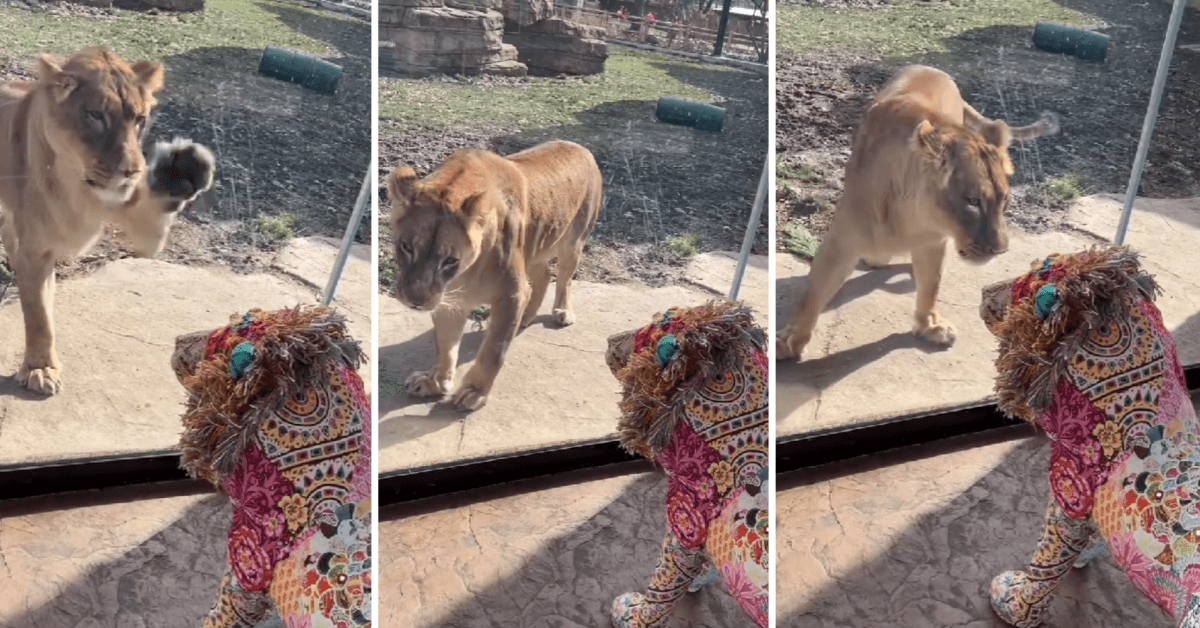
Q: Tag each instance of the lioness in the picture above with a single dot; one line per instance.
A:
(71, 159)
(925, 167)
(482, 229)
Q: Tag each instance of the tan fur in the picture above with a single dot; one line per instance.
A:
(482, 230)
(71, 159)
(925, 168)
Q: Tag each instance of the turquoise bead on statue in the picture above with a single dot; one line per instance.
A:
(1047, 298)
(240, 359)
(665, 350)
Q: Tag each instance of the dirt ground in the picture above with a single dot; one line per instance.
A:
(821, 97)
(290, 162)
(661, 181)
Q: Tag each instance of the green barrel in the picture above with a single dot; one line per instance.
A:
(1077, 42)
(296, 67)
(690, 113)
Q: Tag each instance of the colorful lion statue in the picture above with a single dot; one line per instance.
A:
(1084, 355)
(278, 419)
(695, 403)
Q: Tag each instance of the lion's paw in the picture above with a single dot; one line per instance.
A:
(469, 397)
(425, 384)
(181, 169)
(1009, 600)
(940, 333)
(789, 345)
(627, 611)
(562, 318)
(46, 380)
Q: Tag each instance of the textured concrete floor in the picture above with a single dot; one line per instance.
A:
(912, 539)
(116, 330)
(128, 558)
(862, 349)
(537, 557)
(554, 388)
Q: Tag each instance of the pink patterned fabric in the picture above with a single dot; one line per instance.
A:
(1125, 456)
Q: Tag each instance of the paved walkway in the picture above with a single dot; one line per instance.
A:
(555, 387)
(116, 333)
(542, 557)
(864, 364)
(905, 542)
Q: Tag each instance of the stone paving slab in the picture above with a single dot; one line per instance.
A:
(914, 543)
(555, 387)
(151, 562)
(547, 558)
(864, 364)
(116, 330)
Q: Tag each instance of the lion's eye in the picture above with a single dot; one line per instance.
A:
(974, 202)
(141, 122)
(404, 249)
(450, 263)
(97, 118)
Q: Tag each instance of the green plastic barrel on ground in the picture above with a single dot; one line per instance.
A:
(690, 113)
(309, 71)
(1071, 40)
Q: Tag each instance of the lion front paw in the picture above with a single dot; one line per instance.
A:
(562, 318)
(426, 384)
(181, 169)
(469, 397)
(939, 331)
(633, 610)
(789, 344)
(45, 380)
(1010, 600)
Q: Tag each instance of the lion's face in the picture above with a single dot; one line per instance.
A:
(620, 350)
(994, 305)
(436, 238)
(976, 197)
(189, 352)
(101, 109)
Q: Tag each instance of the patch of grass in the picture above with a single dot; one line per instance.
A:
(277, 228)
(909, 27)
(139, 36)
(788, 172)
(1065, 188)
(799, 242)
(682, 247)
(532, 102)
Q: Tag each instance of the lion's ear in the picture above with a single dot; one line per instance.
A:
(50, 72)
(931, 141)
(927, 136)
(399, 188)
(998, 134)
(150, 74)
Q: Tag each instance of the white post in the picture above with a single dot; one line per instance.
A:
(752, 228)
(347, 240)
(1160, 81)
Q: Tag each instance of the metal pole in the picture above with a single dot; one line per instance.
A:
(760, 199)
(347, 240)
(1160, 81)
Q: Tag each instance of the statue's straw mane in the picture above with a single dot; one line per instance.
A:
(706, 340)
(292, 350)
(1094, 289)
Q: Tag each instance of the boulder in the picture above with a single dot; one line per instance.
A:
(165, 5)
(555, 46)
(526, 12)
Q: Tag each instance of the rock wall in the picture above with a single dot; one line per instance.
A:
(506, 37)
(448, 36)
(553, 46)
